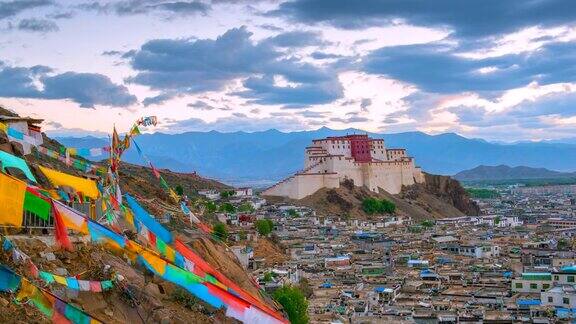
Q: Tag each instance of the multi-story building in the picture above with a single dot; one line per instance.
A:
(358, 158)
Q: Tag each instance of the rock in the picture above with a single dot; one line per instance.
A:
(48, 256)
(451, 192)
(109, 312)
(61, 272)
(18, 149)
(152, 289)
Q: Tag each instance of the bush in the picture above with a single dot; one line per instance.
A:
(292, 212)
(378, 206)
(179, 190)
(210, 207)
(264, 226)
(294, 303)
(427, 223)
(227, 208)
(246, 208)
(220, 232)
(227, 193)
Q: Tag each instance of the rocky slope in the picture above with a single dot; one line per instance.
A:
(440, 197)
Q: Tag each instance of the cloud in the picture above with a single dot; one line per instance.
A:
(112, 53)
(351, 119)
(15, 7)
(365, 103)
(474, 18)
(237, 123)
(159, 99)
(296, 39)
(87, 89)
(200, 105)
(322, 55)
(190, 66)
(37, 25)
(439, 68)
(137, 7)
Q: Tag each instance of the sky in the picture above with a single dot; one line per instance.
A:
(491, 69)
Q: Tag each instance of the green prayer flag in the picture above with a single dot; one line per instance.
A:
(107, 284)
(37, 206)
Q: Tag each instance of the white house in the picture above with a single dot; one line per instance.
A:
(563, 296)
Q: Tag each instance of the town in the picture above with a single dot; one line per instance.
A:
(514, 263)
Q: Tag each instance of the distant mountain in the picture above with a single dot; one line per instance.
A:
(504, 172)
(268, 156)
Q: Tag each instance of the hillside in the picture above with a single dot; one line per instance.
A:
(440, 197)
(504, 172)
(268, 156)
(157, 300)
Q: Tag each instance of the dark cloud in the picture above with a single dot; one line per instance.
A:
(112, 53)
(271, 27)
(13, 8)
(200, 105)
(437, 68)
(263, 91)
(157, 100)
(61, 15)
(296, 39)
(474, 18)
(192, 66)
(87, 89)
(365, 103)
(137, 7)
(322, 55)
(37, 25)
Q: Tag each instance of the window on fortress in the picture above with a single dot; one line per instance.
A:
(519, 285)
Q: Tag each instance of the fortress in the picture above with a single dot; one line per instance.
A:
(362, 159)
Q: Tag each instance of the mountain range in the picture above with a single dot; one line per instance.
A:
(261, 158)
(504, 172)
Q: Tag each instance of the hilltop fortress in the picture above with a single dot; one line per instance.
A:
(364, 160)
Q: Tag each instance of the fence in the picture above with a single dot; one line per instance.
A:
(33, 221)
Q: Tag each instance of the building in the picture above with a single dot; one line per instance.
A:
(563, 296)
(243, 192)
(29, 131)
(532, 282)
(475, 250)
(358, 158)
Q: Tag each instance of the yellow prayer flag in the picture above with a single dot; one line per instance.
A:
(155, 262)
(12, 192)
(26, 291)
(61, 280)
(3, 127)
(86, 186)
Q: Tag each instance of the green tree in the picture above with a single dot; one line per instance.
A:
(179, 190)
(497, 220)
(227, 208)
(210, 207)
(264, 226)
(268, 277)
(246, 208)
(294, 303)
(427, 223)
(220, 232)
(292, 213)
(378, 206)
(227, 193)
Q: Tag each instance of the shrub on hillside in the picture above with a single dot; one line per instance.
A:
(378, 206)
